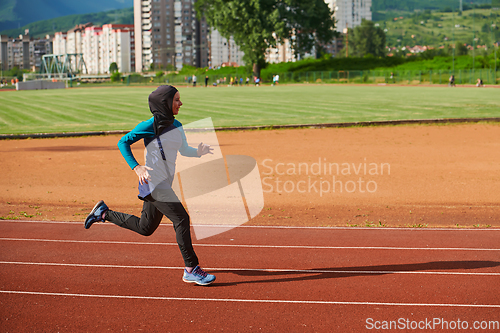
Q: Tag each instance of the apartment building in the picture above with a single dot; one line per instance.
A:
(282, 52)
(100, 46)
(59, 42)
(167, 33)
(23, 52)
(223, 52)
(116, 45)
(71, 41)
(90, 47)
(349, 13)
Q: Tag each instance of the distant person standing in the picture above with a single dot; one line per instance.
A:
(206, 81)
(247, 81)
(194, 80)
(452, 81)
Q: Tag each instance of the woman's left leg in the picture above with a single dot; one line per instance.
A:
(177, 214)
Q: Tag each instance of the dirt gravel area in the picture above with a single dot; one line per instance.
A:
(392, 176)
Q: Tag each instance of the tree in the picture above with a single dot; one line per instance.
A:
(116, 77)
(256, 25)
(461, 49)
(113, 67)
(367, 39)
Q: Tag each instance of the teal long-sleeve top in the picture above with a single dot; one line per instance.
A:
(145, 130)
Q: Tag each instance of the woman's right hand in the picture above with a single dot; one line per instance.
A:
(142, 173)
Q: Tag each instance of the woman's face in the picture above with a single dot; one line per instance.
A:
(176, 104)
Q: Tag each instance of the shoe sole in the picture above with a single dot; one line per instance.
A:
(92, 213)
(198, 283)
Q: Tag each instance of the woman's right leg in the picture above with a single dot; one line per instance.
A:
(145, 225)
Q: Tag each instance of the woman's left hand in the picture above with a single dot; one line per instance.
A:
(204, 149)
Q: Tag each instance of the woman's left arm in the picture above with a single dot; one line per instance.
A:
(189, 151)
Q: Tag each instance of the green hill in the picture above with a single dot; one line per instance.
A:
(442, 28)
(18, 13)
(65, 23)
(386, 9)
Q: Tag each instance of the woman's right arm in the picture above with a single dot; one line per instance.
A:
(143, 130)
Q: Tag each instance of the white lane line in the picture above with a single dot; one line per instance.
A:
(273, 227)
(258, 246)
(241, 300)
(269, 270)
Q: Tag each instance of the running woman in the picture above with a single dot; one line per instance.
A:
(163, 137)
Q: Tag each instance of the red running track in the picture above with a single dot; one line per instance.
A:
(60, 277)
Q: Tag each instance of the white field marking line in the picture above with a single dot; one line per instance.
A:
(274, 227)
(241, 300)
(258, 246)
(270, 270)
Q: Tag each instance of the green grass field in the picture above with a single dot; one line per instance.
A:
(104, 109)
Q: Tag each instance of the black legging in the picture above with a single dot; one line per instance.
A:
(152, 213)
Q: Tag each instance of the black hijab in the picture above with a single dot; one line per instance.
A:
(160, 104)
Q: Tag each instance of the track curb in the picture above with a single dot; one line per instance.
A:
(266, 127)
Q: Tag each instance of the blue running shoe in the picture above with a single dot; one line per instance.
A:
(96, 214)
(198, 276)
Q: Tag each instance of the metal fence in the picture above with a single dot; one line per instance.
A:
(462, 77)
(394, 77)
